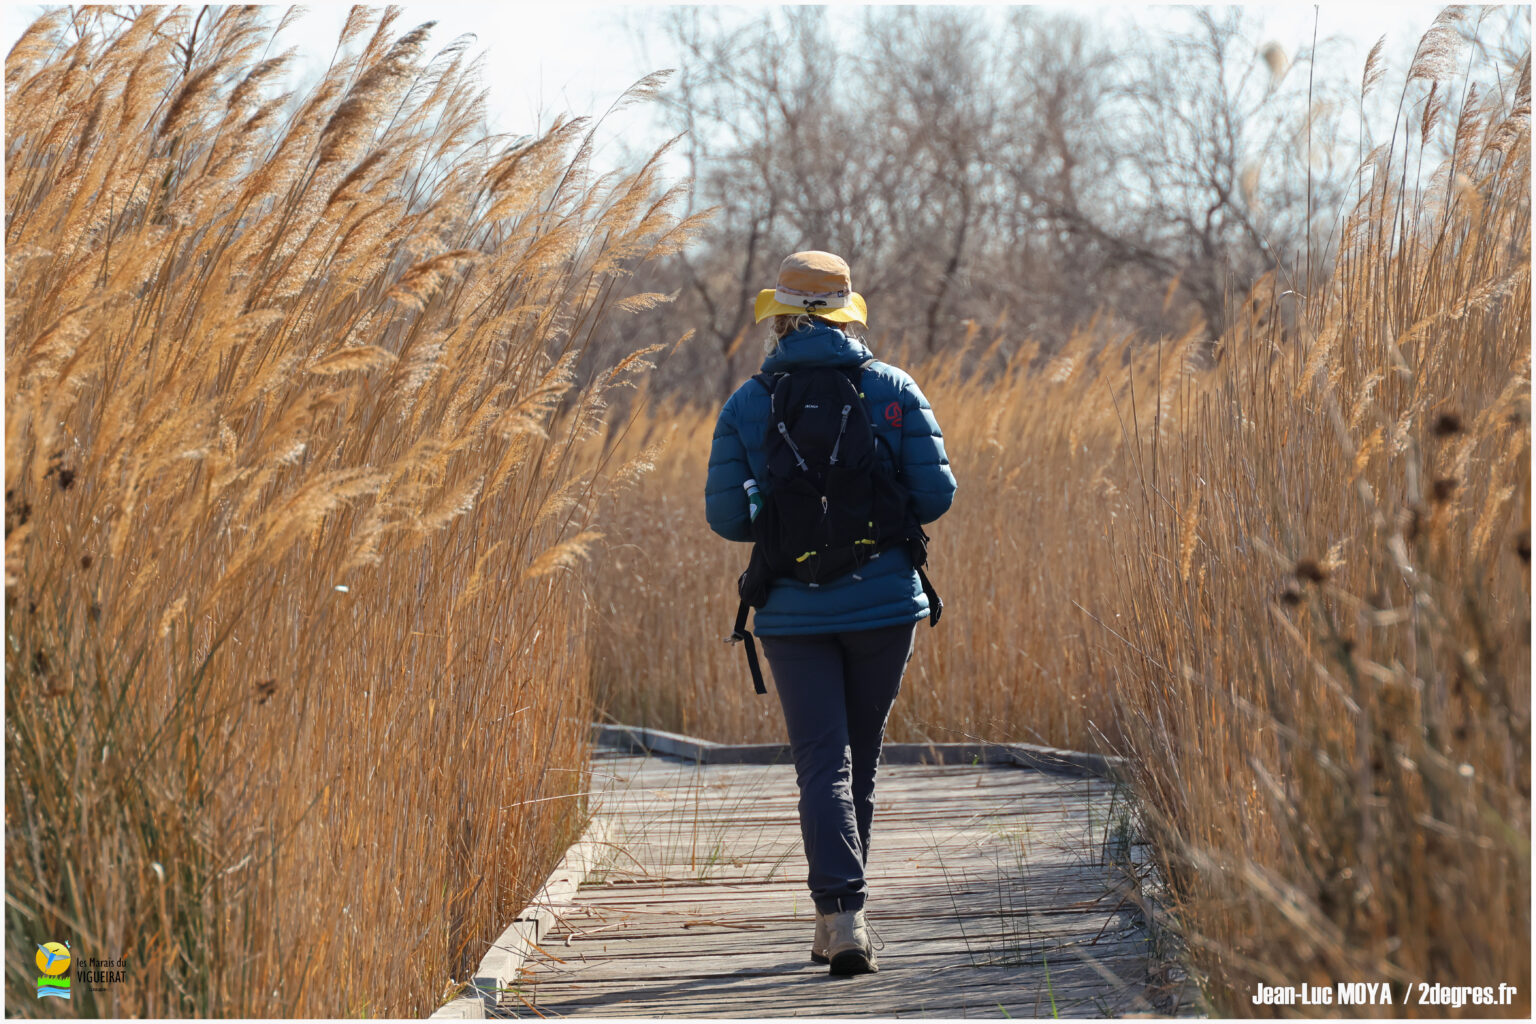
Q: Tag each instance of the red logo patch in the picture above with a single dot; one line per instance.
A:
(893, 414)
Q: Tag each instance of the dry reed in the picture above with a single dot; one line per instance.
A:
(1287, 574)
(1327, 696)
(1031, 440)
(295, 703)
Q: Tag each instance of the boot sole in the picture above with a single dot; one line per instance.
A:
(854, 961)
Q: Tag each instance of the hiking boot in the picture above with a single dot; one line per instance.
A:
(819, 943)
(848, 944)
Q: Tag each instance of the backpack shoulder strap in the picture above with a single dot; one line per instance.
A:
(855, 374)
(767, 380)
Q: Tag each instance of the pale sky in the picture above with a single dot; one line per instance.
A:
(545, 58)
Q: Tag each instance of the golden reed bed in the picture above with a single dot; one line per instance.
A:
(1285, 571)
(304, 584)
(295, 646)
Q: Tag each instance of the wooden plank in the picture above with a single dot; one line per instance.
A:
(579, 921)
(993, 937)
(898, 819)
(887, 834)
(920, 777)
(887, 811)
(747, 963)
(713, 866)
(712, 954)
(1052, 850)
(978, 802)
(911, 901)
(643, 977)
(1049, 849)
(810, 991)
(982, 880)
(807, 991)
(1029, 755)
(892, 846)
(949, 878)
(907, 819)
(887, 806)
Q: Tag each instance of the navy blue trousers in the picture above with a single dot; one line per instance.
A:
(837, 690)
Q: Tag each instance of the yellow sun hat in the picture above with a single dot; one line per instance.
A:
(813, 282)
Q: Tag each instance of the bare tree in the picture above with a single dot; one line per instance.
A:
(981, 166)
(1207, 158)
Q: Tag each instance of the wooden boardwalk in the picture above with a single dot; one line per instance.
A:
(994, 891)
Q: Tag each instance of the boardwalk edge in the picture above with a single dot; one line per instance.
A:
(498, 970)
(642, 740)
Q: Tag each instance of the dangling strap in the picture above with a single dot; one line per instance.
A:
(739, 635)
(935, 603)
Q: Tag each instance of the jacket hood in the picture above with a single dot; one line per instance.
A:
(817, 345)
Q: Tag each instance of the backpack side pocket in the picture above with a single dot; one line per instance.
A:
(752, 584)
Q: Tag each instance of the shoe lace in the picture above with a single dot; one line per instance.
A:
(875, 941)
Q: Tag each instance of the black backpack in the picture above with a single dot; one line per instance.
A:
(830, 502)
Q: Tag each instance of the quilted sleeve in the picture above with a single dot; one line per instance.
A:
(924, 465)
(725, 503)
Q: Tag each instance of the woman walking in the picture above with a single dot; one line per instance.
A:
(837, 641)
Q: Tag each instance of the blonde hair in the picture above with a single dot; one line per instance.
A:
(788, 323)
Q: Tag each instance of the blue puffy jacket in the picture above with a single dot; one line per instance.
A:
(889, 592)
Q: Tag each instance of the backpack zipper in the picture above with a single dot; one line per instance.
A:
(791, 442)
(826, 525)
(841, 430)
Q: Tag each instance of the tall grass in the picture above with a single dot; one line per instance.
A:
(1325, 670)
(295, 697)
(1287, 574)
(1034, 442)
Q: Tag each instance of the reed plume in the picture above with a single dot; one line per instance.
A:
(293, 660)
(1285, 571)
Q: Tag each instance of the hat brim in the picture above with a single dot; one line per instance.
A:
(856, 312)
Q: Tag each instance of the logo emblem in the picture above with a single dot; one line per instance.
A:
(893, 414)
(53, 960)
